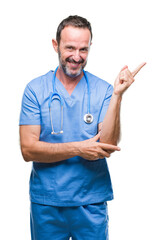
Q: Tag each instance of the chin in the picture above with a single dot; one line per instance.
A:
(73, 74)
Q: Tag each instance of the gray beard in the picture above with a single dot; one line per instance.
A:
(65, 69)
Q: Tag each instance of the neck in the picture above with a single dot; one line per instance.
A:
(68, 82)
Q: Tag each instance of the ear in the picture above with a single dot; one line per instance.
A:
(55, 45)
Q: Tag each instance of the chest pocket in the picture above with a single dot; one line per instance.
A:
(91, 128)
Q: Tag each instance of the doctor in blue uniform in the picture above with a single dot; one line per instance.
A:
(69, 124)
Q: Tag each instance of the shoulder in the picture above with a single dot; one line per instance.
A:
(97, 82)
(41, 81)
(39, 87)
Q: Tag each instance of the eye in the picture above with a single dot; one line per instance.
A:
(69, 48)
(84, 50)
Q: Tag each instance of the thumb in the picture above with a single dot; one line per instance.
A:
(95, 138)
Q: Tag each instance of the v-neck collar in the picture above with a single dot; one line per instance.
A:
(81, 85)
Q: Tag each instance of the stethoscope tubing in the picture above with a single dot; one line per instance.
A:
(88, 118)
(55, 90)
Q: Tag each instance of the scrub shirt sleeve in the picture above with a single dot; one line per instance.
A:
(30, 110)
(106, 102)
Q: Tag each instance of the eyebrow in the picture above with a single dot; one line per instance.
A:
(71, 46)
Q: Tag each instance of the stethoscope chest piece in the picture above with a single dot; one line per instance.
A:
(88, 118)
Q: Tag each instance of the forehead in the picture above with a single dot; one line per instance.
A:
(75, 35)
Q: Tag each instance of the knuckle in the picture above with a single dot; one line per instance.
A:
(95, 156)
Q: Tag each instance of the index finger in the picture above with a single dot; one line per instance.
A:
(107, 146)
(138, 69)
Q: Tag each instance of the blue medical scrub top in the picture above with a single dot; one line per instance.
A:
(75, 181)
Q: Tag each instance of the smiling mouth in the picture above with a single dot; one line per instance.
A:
(74, 62)
(74, 65)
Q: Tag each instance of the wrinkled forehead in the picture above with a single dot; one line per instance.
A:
(75, 34)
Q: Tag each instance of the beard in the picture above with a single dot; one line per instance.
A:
(65, 68)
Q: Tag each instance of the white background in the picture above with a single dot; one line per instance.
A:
(124, 32)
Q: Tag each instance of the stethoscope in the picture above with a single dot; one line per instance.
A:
(88, 117)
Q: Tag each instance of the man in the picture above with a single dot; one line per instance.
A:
(70, 182)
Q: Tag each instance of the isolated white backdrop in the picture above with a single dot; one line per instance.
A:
(125, 32)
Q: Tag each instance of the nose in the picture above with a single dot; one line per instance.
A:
(76, 56)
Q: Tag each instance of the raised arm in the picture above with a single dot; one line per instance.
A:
(35, 150)
(110, 127)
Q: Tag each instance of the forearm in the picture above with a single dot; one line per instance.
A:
(110, 131)
(49, 152)
(38, 151)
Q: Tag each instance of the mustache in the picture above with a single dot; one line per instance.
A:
(70, 60)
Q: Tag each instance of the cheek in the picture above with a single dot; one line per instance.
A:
(66, 55)
(63, 53)
(85, 56)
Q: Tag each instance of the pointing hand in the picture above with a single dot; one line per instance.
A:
(125, 79)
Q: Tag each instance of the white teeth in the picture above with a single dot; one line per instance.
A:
(75, 64)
